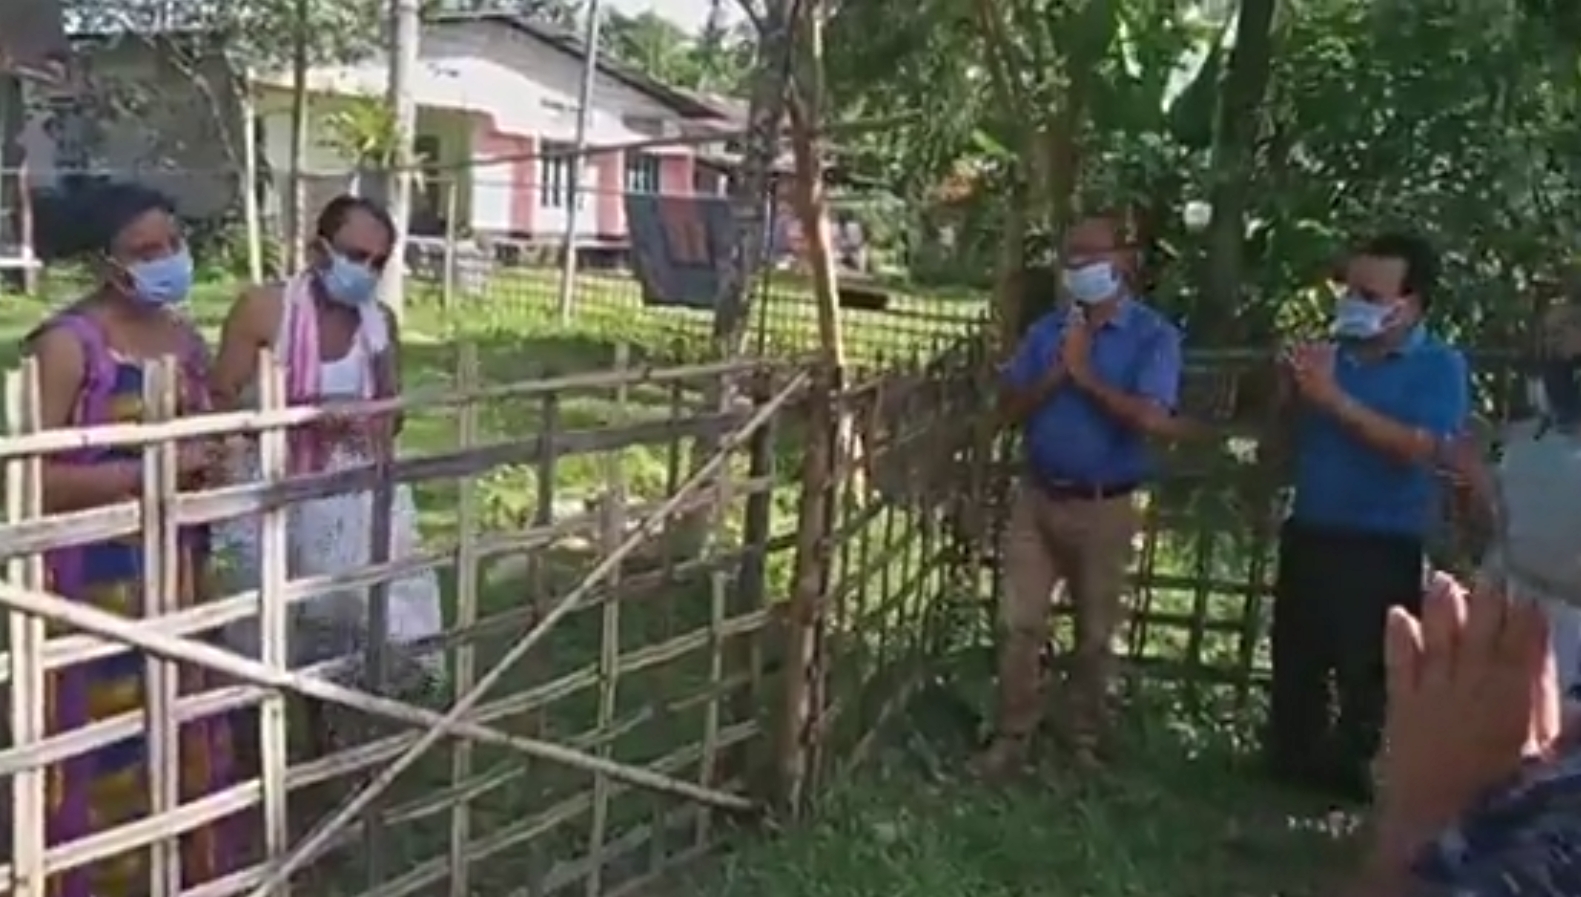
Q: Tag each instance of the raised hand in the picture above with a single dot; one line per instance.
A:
(1311, 367)
(1076, 347)
(1472, 693)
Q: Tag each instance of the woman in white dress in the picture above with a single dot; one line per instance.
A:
(1534, 495)
(336, 342)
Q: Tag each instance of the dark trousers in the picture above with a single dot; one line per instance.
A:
(1331, 599)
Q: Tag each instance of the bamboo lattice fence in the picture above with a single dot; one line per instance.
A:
(626, 678)
(631, 674)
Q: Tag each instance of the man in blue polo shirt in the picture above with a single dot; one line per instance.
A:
(1374, 410)
(1088, 383)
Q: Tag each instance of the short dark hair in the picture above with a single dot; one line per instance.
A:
(336, 211)
(84, 215)
(1421, 261)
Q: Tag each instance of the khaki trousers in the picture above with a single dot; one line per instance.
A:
(1086, 544)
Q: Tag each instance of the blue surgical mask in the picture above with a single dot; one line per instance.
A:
(1092, 283)
(1356, 318)
(348, 282)
(164, 281)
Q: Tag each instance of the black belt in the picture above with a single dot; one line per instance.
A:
(1064, 490)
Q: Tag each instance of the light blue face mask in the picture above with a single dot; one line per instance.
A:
(164, 281)
(1091, 283)
(1356, 318)
(348, 282)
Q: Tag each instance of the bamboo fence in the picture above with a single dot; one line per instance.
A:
(652, 670)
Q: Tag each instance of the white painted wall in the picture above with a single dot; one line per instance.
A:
(527, 87)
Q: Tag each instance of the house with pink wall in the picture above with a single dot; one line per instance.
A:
(497, 122)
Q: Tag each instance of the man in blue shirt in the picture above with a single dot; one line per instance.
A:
(1088, 383)
(1374, 410)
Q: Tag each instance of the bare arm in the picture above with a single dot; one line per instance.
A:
(249, 327)
(73, 487)
(1400, 441)
(1140, 413)
(1439, 406)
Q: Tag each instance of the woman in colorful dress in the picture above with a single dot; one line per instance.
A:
(337, 343)
(90, 360)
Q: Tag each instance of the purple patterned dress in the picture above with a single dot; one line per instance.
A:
(108, 786)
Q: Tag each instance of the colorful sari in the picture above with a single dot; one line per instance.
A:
(108, 787)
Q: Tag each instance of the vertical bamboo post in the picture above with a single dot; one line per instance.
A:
(751, 585)
(160, 589)
(804, 610)
(708, 769)
(273, 617)
(612, 529)
(466, 616)
(673, 535)
(376, 654)
(543, 515)
(24, 499)
(719, 513)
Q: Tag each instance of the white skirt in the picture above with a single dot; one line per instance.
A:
(328, 536)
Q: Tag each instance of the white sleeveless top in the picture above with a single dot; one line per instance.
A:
(1540, 481)
(351, 375)
(347, 377)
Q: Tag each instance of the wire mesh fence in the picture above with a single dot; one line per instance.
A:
(501, 235)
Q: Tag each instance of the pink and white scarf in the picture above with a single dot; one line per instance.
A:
(309, 448)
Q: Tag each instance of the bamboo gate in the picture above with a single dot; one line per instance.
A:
(629, 679)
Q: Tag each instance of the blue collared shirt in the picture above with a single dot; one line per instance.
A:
(1070, 438)
(1342, 482)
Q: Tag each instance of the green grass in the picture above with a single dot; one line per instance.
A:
(1178, 815)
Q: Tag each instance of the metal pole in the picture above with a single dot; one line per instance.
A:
(584, 113)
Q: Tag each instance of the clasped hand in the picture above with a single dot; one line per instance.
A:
(1311, 367)
(1075, 353)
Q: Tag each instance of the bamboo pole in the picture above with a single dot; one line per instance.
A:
(273, 618)
(244, 423)
(24, 499)
(161, 584)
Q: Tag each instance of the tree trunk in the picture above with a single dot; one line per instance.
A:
(811, 201)
(753, 180)
(1241, 94)
(807, 108)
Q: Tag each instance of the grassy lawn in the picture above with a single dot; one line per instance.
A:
(1177, 816)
